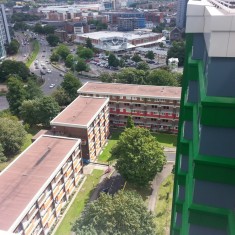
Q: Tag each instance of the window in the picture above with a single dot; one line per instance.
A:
(134, 98)
(126, 104)
(137, 105)
(154, 106)
(164, 120)
(137, 118)
(153, 119)
(165, 107)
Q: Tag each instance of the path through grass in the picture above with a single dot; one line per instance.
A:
(79, 203)
(163, 206)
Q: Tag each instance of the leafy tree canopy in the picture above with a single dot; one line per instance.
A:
(19, 17)
(11, 67)
(143, 66)
(139, 156)
(33, 91)
(122, 214)
(89, 43)
(136, 58)
(85, 53)
(112, 60)
(81, 65)
(12, 136)
(150, 55)
(61, 97)
(13, 47)
(16, 94)
(54, 57)
(70, 85)
(177, 51)
(130, 122)
(39, 111)
(69, 61)
(63, 51)
(53, 40)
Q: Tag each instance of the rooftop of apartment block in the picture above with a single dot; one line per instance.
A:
(120, 89)
(22, 182)
(81, 112)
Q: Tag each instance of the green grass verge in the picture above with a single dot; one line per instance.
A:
(105, 156)
(79, 203)
(163, 206)
(33, 55)
(166, 140)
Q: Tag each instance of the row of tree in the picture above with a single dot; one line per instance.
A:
(157, 77)
(139, 158)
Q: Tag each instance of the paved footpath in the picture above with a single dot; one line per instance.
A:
(156, 184)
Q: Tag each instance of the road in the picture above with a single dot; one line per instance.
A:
(170, 156)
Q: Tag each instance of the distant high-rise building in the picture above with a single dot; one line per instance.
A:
(181, 13)
(204, 189)
(4, 32)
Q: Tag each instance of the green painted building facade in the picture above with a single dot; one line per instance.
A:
(204, 188)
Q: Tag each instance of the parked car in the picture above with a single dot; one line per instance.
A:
(52, 85)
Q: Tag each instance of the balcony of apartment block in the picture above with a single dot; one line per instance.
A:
(33, 224)
(90, 129)
(45, 217)
(68, 173)
(50, 221)
(66, 166)
(44, 196)
(77, 162)
(30, 215)
(57, 188)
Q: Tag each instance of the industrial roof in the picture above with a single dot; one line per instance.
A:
(131, 90)
(22, 182)
(81, 112)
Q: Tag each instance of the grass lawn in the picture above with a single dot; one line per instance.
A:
(163, 206)
(79, 203)
(105, 156)
(166, 140)
(33, 55)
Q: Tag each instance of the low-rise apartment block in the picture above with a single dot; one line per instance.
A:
(86, 118)
(37, 185)
(153, 107)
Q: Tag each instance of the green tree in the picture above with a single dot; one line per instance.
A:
(49, 108)
(150, 55)
(132, 76)
(69, 61)
(143, 66)
(89, 43)
(71, 84)
(16, 94)
(13, 47)
(61, 97)
(33, 90)
(177, 51)
(112, 60)
(122, 63)
(54, 57)
(39, 111)
(2, 155)
(53, 40)
(124, 213)
(29, 112)
(130, 122)
(63, 51)
(38, 28)
(139, 156)
(11, 67)
(85, 53)
(20, 26)
(12, 136)
(48, 29)
(161, 77)
(81, 65)
(136, 58)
